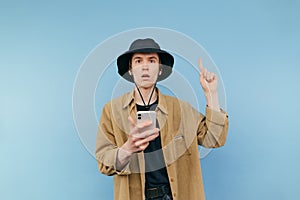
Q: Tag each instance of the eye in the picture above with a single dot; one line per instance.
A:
(137, 61)
(152, 61)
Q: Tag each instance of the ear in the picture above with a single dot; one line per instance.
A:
(160, 72)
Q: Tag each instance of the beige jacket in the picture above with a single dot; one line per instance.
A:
(182, 128)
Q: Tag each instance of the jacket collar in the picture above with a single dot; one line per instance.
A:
(128, 101)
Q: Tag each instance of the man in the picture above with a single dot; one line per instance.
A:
(162, 162)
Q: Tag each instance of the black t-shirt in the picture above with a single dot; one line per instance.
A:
(154, 177)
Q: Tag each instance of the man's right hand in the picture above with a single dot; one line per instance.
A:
(138, 140)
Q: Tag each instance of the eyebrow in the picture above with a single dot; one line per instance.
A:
(153, 57)
(136, 57)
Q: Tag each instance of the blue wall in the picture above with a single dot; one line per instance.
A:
(255, 44)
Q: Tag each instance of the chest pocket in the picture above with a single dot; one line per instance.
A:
(180, 146)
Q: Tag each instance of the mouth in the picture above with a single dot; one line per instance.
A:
(145, 76)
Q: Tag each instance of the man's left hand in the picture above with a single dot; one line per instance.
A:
(208, 80)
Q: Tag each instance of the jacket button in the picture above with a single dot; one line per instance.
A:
(172, 180)
(174, 194)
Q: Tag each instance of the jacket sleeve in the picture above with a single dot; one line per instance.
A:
(106, 147)
(212, 128)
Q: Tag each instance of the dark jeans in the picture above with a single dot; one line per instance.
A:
(165, 197)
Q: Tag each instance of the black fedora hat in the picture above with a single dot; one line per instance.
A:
(147, 45)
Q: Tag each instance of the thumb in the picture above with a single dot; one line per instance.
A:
(132, 123)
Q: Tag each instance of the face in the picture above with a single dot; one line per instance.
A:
(145, 69)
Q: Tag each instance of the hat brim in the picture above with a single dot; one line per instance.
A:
(166, 59)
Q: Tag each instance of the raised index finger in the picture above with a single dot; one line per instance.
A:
(201, 66)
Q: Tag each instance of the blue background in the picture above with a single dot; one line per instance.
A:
(255, 44)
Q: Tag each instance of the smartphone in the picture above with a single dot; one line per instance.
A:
(142, 116)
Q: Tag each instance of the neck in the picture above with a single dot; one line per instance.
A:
(146, 93)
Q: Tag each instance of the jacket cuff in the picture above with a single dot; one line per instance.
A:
(217, 117)
(125, 170)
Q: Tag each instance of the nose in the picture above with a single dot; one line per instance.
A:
(145, 66)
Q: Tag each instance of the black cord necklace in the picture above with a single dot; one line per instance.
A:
(146, 106)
